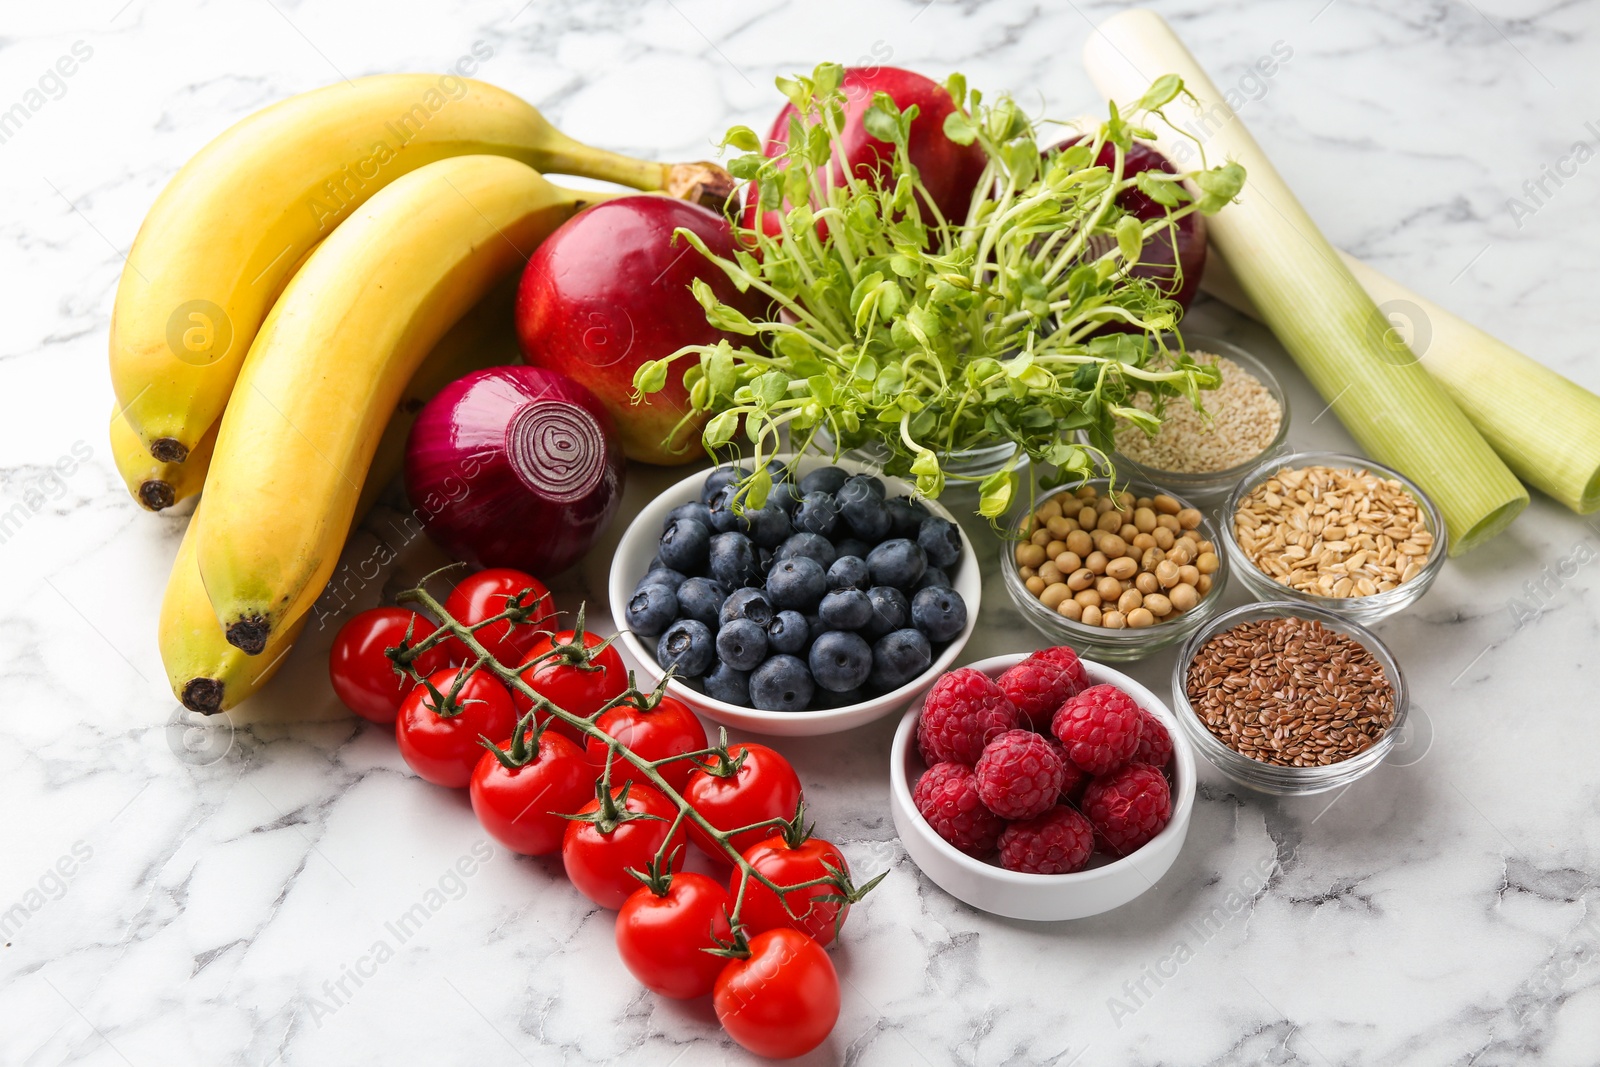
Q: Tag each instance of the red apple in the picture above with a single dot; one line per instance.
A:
(609, 291)
(948, 170)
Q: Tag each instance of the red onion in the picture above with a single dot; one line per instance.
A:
(514, 467)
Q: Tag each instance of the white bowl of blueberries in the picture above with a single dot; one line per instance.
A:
(838, 602)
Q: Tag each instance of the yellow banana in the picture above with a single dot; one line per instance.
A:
(156, 485)
(209, 675)
(223, 235)
(328, 366)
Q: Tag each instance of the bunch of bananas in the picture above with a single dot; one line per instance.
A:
(286, 307)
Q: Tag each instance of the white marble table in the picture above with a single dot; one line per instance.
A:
(170, 905)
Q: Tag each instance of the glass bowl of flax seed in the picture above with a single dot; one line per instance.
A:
(1289, 699)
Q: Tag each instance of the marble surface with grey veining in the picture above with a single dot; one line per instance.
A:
(226, 893)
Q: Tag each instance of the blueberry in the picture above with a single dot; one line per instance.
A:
(899, 657)
(816, 546)
(720, 478)
(849, 572)
(939, 613)
(684, 545)
(769, 525)
(687, 645)
(781, 684)
(723, 518)
(845, 609)
(747, 603)
(742, 644)
(849, 546)
(797, 582)
(662, 576)
(765, 557)
(786, 495)
(840, 661)
(788, 632)
(700, 599)
(905, 517)
(778, 470)
(898, 563)
(824, 480)
(814, 627)
(865, 481)
(825, 699)
(941, 540)
(818, 513)
(864, 513)
(932, 578)
(728, 685)
(890, 611)
(651, 610)
(733, 560)
(694, 511)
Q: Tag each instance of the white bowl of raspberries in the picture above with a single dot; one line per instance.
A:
(1041, 786)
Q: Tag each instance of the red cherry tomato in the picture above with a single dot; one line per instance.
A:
(482, 596)
(782, 1001)
(571, 687)
(662, 938)
(669, 729)
(773, 858)
(444, 749)
(763, 787)
(597, 856)
(520, 798)
(363, 677)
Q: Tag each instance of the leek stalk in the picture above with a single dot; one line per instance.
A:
(1310, 298)
(1546, 427)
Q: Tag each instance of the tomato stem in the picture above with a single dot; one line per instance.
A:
(612, 811)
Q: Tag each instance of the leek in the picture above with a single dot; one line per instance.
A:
(1311, 300)
(1546, 427)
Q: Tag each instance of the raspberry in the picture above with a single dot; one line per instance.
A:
(947, 797)
(1073, 777)
(1100, 727)
(1019, 775)
(1058, 842)
(964, 711)
(1069, 664)
(1155, 744)
(1037, 686)
(1129, 807)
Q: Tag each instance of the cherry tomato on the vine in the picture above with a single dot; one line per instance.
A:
(597, 855)
(762, 787)
(482, 596)
(662, 937)
(782, 1001)
(669, 729)
(363, 676)
(521, 793)
(808, 860)
(573, 687)
(443, 748)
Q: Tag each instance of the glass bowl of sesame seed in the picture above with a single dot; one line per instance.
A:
(1335, 531)
(1289, 699)
(1202, 456)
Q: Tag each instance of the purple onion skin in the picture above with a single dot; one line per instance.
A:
(1156, 261)
(514, 467)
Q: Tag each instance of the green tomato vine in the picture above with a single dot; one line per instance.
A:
(925, 336)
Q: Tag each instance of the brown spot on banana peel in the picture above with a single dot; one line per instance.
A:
(156, 494)
(202, 695)
(249, 635)
(169, 450)
(705, 184)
